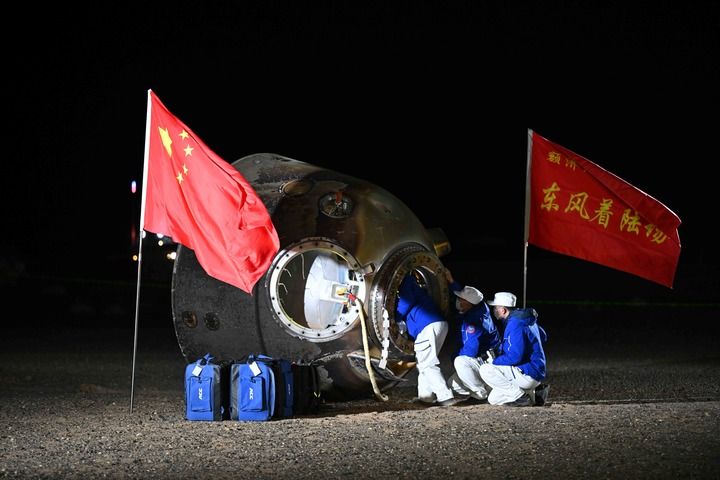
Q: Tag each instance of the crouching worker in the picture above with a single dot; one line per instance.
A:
(520, 366)
(477, 335)
(428, 328)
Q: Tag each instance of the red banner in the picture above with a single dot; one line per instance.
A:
(579, 209)
(204, 203)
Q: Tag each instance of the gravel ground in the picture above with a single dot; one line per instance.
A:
(616, 410)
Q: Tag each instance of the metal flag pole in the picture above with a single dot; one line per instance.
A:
(142, 234)
(527, 214)
(135, 333)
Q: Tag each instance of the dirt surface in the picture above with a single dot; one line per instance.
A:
(617, 409)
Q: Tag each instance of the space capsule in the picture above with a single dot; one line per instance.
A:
(330, 294)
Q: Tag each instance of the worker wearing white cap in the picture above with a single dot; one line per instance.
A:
(520, 367)
(477, 335)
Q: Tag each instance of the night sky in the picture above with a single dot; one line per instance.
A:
(365, 90)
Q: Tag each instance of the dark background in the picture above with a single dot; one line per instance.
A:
(363, 89)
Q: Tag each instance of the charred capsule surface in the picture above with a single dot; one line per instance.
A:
(341, 239)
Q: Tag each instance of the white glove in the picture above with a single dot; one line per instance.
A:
(490, 357)
(402, 327)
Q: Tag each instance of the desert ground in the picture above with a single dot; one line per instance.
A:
(630, 397)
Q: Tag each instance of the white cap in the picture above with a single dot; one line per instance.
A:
(471, 294)
(503, 299)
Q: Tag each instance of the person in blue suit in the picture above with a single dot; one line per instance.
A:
(478, 335)
(520, 367)
(427, 327)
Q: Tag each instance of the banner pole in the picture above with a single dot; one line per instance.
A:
(527, 214)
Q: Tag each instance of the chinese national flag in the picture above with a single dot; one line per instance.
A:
(204, 203)
(579, 209)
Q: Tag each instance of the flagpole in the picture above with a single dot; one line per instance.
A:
(142, 234)
(527, 213)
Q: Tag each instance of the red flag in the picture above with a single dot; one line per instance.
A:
(204, 203)
(580, 209)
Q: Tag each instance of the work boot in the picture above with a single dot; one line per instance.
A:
(451, 401)
(541, 394)
(523, 401)
(480, 395)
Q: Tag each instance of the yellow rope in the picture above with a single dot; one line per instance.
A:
(368, 363)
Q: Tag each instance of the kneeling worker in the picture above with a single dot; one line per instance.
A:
(477, 335)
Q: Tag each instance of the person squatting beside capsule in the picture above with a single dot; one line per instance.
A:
(478, 334)
(520, 366)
